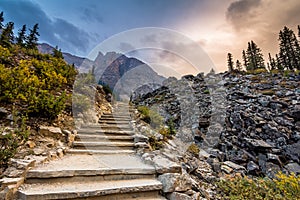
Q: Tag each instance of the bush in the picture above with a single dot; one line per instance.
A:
(282, 187)
(11, 139)
(35, 84)
(154, 143)
(194, 149)
(151, 117)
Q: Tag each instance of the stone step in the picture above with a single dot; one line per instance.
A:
(105, 152)
(100, 127)
(76, 175)
(91, 145)
(105, 132)
(94, 137)
(113, 122)
(117, 116)
(115, 127)
(115, 119)
(88, 189)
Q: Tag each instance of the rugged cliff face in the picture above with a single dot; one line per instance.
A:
(250, 120)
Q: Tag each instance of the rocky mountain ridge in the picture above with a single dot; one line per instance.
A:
(121, 73)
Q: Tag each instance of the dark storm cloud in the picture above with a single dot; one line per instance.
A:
(240, 12)
(55, 31)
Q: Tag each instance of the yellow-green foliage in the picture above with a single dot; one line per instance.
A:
(166, 132)
(257, 71)
(194, 149)
(280, 188)
(11, 139)
(37, 83)
(154, 143)
(151, 116)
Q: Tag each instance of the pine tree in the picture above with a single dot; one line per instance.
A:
(238, 65)
(245, 60)
(21, 36)
(279, 64)
(1, 20)
(254, 57)
(32, 39)
(230, 62)
(57, 53)
(272, 63)
(299, 31)
(289, 50)
(7, 35)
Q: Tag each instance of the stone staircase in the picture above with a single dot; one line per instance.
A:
(102, 165)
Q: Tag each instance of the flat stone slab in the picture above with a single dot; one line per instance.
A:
(107, 143)
(104, 137)
(102, 131)
(88, 172)
(94, 162)
(95, 152)
(86, 189)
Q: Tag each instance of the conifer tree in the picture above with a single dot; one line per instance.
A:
(254, 57)
(1, 20)
(57, 53)
(32, 39)
(230, 62)
(238, 65)
(272, 62)
(245, 60)
(21, 36)
(7, 35)
(289, 50)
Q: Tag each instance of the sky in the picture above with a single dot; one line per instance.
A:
(217, 26)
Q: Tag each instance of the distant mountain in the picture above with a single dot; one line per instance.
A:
(69, 58)
(123, 74)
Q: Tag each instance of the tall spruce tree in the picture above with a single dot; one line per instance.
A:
(32, 39)
(230, 62)
(238, 66)
(1, 20)
(289, 50)
(245, 60)
(7, 35)
(21, 39)
(254, 57)
(272, 62)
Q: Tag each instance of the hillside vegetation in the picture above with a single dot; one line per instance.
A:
(33, 87)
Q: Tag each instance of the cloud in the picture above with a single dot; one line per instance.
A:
(90, 14)
(55, 31)
(240, 13)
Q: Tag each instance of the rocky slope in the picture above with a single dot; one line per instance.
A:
(242, 123)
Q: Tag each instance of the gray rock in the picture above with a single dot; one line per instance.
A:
(175, 182)
(293, 167)
(252, 167)
(164, 165)
(179, 196)
(234, 166)
(50, 131)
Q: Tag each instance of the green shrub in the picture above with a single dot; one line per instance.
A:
(11, 139)
(37, 83)
(151, 116)
(194, 149)
(280, 188)
(154, 143)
